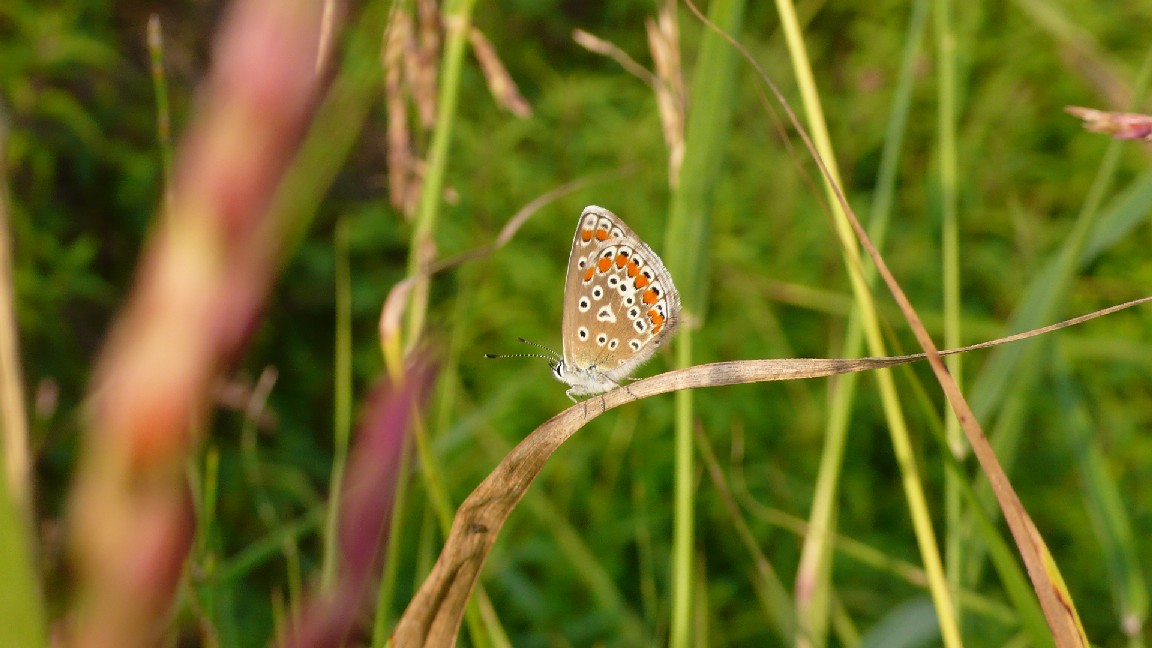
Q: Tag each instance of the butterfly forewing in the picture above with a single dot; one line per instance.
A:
(619, 303)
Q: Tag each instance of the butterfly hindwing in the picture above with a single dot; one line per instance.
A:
(619, 304)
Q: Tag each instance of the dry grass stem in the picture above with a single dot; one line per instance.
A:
(13, 417)
(403, 182)
(500, 83)
(423, 61)
(602, 47)
(671, 99)
(434, 614)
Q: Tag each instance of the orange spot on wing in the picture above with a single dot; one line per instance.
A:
(650, 297)
(603, 264)
(621, 260)
(655, 316)
(642, 281)
(586, 235)
(589, 273)
(601, 234)
(656, 329)
(633, 269)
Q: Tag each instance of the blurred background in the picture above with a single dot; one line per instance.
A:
(585, 559)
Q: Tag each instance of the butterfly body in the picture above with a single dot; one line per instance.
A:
(620, 305)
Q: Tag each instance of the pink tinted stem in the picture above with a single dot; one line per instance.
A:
(198, 292)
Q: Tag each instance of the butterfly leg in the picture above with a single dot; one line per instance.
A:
(619, 384)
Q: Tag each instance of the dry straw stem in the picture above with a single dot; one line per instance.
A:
(13, 418)
(598, 45)
(500, 83)
(433, 616)
(20, 589)
(671, 101)
(667, 82)
(401, 161)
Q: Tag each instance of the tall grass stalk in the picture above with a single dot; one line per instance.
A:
(713, 97)
(341, 403)
(457, 20)
(21, 596)
(21, 599)
(946, 116)
(816, 557)
(893, 412)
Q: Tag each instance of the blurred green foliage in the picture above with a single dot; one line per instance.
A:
(85, 180)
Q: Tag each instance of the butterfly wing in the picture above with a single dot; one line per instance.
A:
(619, 303)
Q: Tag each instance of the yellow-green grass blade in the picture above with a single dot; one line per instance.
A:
(713, 96)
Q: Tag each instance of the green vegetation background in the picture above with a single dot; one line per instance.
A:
(587, 553)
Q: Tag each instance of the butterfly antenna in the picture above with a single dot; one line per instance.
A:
(540, 346)
(551, 357)
(500, 356)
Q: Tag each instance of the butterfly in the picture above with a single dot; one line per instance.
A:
(620, 305)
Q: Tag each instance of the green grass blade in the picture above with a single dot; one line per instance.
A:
(1019, 365)
(893, 412)
(1106, 509)
(816, 559)
(713, 96)
(342, 404)
(21, 604)
(458, 19)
